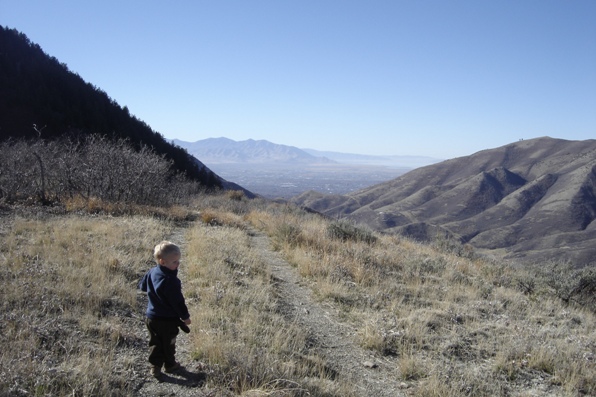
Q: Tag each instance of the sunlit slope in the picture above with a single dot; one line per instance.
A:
(532, 200)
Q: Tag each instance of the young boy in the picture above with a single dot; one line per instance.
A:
(166, 309)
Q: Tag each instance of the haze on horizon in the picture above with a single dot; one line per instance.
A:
(428, 78)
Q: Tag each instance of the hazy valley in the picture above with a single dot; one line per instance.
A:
(285, 181)
(532, 200)
(280, 171)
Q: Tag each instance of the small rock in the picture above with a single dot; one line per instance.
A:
(369, 364)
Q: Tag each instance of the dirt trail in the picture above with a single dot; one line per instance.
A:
(330, 338)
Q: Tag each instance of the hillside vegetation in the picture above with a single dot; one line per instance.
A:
(438, 319)
(84, 171)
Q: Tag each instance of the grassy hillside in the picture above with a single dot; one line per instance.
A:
(438, 319)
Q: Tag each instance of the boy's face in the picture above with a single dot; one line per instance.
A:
(171, 261)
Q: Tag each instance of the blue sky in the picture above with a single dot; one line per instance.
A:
(388, 77)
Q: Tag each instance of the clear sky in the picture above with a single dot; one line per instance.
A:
(439, 78)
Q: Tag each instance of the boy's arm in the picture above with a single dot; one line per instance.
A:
(178, 302)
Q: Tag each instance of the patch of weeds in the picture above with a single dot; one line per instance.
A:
(347, 231)
(289, 234)
(411, 368)
(236, 195)
(563, 280)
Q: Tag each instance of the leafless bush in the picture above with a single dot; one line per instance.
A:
(563, 280)
(50, 171)
(345, 231)
(16, 169)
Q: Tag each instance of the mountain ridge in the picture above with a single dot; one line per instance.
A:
(531, 200)
(281, 172)
(224, 150)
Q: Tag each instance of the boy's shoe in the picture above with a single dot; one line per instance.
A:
(156, 373)
(173, 368)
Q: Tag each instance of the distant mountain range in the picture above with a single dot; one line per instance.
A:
(532, 200)
(228, 151)
(281, 172)
(224, 150)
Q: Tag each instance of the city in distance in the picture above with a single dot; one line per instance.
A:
(280, 171)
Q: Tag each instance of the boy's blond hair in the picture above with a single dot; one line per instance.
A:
(165, 248)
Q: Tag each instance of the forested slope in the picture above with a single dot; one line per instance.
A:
(41, 97)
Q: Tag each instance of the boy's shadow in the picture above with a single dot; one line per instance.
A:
(184, 377)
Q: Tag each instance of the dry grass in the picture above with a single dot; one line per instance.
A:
(242, 335)
(456, 324)
(69, 302)
(450, 323)
(98, 206)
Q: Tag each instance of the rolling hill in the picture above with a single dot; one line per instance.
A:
(532, 200)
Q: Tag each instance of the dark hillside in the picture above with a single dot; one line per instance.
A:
(38, 94)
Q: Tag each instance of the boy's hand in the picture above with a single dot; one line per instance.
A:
(183, 324)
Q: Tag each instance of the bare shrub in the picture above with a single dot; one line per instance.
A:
(237, 195)
(96, 168)
(347, 231)
(563, 280)
(21, 177)
(447, 243)
(287, 234)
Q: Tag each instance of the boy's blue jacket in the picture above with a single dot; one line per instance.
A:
(164, 290)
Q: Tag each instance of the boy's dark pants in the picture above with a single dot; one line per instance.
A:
(162, 342)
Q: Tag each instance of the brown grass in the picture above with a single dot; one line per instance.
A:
(241, 332)
(444, 315)
(451, 323)
(67, 281)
